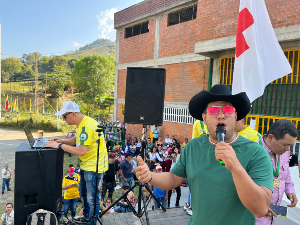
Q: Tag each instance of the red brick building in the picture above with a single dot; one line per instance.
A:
(195, 42)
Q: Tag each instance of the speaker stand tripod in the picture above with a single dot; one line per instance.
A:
(140, 212)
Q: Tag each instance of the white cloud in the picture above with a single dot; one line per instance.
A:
(77, 44)
(106, 25)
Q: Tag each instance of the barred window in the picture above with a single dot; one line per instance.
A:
(182, 16)
(137, 29)
(178, 115)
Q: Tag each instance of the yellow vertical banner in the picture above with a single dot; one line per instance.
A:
(43, 107)
(30, 105)
(37, 105)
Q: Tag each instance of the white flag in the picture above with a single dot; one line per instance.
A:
(259, 59)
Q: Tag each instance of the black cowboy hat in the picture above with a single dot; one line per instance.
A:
(219, 92)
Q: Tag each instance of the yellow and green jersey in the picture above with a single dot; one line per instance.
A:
(199, 128)
(250, 134)
(86, 135)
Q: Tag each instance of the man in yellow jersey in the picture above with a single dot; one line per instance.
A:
(199, 129)
(86, 148)
(246, 132)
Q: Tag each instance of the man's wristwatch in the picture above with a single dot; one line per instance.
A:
(59, 146)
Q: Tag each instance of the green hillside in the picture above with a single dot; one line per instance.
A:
(100, 47)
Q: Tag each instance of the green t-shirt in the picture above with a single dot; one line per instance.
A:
(214, 195)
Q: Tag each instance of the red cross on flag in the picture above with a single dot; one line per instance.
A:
(259, 59)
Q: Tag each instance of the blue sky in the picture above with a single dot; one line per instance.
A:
(55, 26)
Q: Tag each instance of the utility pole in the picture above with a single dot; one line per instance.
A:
(36, 82)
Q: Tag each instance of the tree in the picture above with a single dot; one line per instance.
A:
(93, 77)
(10, 67)
(44, 65)
(57, 81)
(60, 60)
(4, 76)
(26, 73)
(30, 58)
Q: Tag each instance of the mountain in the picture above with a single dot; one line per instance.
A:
(101, 47)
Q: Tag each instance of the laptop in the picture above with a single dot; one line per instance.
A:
(34, 143)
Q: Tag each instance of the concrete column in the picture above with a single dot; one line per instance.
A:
(116, 76)
(216, 72)
(157, 37)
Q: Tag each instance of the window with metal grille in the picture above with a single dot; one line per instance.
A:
(280, 98)
(137, 29)
(182, 16)
(178, 115)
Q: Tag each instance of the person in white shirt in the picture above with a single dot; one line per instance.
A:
(119, 124)
(6, 177)
(8, 217)
(138, 147)
(123, 130)
(168, 141)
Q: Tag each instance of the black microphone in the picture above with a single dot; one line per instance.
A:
(221, 132)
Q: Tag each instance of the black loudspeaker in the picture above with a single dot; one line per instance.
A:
(145, 94)
(36, 184)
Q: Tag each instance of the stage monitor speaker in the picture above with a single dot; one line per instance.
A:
(145, 94)
(36, 184)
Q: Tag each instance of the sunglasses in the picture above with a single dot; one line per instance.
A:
(213, 111)
(65, 115)
(107, 202)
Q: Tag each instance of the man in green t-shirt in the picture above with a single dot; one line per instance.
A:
(233, 194)
(85, 146)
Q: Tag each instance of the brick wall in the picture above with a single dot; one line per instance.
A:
(177, 39)
(184, 80)
(137, 48)
(143, 8)
(216, 19)
(122, 84)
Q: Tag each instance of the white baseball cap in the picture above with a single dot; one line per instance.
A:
(158, 168)
(68, 107)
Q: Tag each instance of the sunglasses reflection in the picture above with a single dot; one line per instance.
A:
(214, 111)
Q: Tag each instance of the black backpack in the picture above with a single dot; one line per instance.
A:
(42, 217)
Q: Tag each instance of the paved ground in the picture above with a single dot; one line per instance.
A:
(172, 216)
